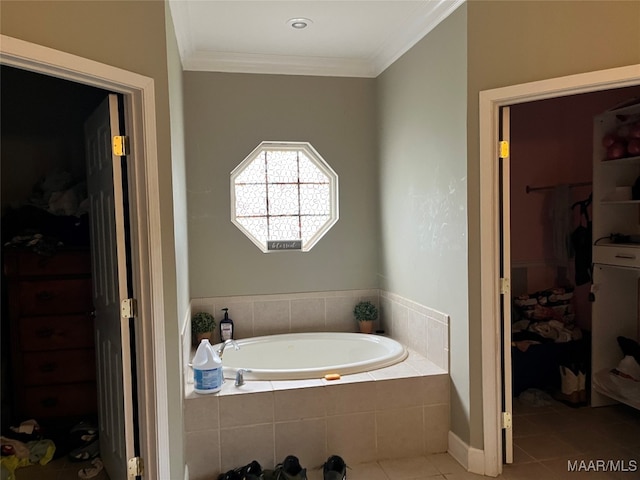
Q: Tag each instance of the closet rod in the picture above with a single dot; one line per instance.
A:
(549, 187)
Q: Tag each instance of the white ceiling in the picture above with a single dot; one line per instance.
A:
(354, 38)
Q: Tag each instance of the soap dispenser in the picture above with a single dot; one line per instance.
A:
(226, 326)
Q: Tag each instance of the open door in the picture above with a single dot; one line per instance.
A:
(505, 287)
(111, 289)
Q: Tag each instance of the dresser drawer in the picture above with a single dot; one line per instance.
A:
(617, 254)
(56, 332)
(50, 297)
(58, 366)
(61, 400)
(26, 263)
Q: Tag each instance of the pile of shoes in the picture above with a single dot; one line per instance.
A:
(290, 469)
(83, 440)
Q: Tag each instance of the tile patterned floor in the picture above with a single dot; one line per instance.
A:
(545, 439)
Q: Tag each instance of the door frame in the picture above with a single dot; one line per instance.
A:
(144, 196)
(490, 102)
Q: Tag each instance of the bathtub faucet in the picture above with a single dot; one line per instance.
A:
(225, 344)
(240, 376)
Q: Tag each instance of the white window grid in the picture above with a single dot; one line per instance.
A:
(291, 210)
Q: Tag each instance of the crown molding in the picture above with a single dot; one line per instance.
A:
(278, 64)
(426, 19)
(180, 16)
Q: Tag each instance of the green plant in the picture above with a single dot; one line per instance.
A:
(202, 322)
(365, 311)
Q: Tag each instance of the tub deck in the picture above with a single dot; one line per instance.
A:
(393, 412)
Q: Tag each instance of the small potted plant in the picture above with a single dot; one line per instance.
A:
(365, 313)
(202, 326)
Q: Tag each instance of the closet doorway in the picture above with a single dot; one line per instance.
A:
(550, 199)
(138, 94)
(63, 205)
(490, 104)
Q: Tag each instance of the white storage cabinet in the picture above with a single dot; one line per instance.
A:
(616, 273)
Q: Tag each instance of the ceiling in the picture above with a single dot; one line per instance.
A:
(352, 38)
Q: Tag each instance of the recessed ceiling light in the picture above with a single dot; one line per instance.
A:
(299, 23)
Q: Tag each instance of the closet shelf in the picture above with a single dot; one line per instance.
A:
(621, 161)
(621, 390)
(551, 187)
(616, 266)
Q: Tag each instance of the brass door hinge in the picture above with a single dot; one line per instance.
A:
(506, 420)
(135, 467)
(128, 308)
(504, 149)
(120, 145)
(505, 286)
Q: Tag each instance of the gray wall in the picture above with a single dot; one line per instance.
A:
(517, 42)
(422, 102)
(226, 117)
(178, 183)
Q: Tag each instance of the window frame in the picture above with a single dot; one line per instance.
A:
(318, 161)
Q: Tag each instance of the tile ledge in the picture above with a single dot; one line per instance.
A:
(415, 365)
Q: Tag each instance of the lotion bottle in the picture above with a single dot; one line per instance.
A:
(226, 326)
(207, 369)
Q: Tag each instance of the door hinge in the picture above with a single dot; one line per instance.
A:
(505, 286)
(128, 308)
(504, 149)
(135, 467)
(506, 419)
(120, 145)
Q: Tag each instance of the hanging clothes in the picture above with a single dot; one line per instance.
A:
(561, 221)
(581, 239)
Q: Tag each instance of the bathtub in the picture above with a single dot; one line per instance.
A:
(298, 356)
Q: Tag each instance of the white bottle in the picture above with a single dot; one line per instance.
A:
(207, 369)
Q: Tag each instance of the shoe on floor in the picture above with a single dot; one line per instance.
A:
(334, 468)
(252, 471)
(87, 452)
(230, 475)
(90, 472)
(290, 469)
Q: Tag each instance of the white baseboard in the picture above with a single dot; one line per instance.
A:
(458, 450)
(476, 461)
(472, 459)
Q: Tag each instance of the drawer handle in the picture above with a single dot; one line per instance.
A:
(626, 256)
(49, 402)
(44, 333)
(44, 295)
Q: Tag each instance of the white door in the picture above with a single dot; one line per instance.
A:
(110, 286)
(505, 274)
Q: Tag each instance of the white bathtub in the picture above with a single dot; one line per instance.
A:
(297, 356)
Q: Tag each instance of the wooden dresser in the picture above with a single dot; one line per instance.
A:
(51, 328)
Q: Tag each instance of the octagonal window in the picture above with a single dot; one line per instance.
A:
(284, 196)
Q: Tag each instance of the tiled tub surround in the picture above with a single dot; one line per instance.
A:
(420, 328)
(395, 412)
